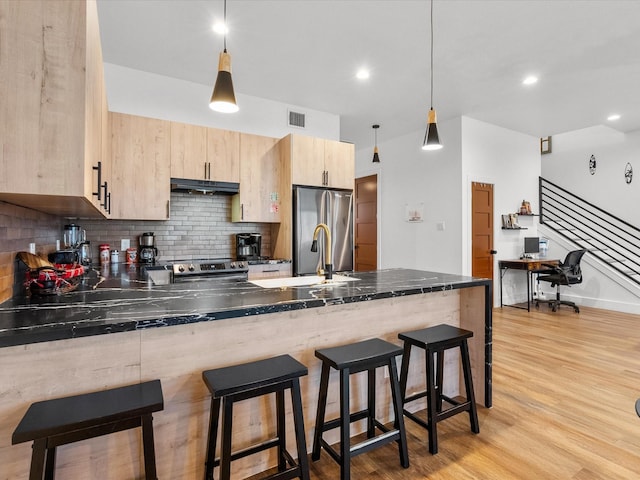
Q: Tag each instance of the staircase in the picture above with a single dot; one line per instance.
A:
(609, 239)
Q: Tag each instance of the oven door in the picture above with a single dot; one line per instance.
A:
(212, 277)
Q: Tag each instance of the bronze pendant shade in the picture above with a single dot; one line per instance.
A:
(376, 157)
(223, 98)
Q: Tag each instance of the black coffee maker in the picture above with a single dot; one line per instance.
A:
(248, 246)
(147, 250)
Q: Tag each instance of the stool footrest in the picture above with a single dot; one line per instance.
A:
(415, 418)
(354, 417)
(250, 450)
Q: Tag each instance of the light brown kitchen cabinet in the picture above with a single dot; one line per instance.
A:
(223, 155)
(52, 108)
(188, 151)
(258, 272)
(202, 153)
(140, 163)
(259, 196)
(322, 163)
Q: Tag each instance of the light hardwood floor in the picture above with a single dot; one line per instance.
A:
(564, 387)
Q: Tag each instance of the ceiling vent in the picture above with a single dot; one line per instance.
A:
(296, 119)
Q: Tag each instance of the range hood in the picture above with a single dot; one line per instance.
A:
(205, 187)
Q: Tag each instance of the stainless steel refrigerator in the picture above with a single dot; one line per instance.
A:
(312, 206)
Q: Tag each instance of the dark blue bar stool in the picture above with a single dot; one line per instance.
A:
(241, 382)
(60, 421)
(435, 340)
(348, 359)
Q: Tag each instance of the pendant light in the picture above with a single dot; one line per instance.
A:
(431, 138)
(223, 99)
(376, 157)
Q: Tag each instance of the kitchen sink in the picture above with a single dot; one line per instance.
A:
(304, 281)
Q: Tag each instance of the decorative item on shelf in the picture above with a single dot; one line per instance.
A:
(223, 98)
(525, 208)
(431, 138)
(592, 164)
(545, 145)
(628, 173)
(513, 219)
(506, 222)
(376, 157)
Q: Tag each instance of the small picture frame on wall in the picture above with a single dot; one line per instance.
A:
(545, 145)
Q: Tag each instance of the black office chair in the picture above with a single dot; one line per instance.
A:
(565, 273)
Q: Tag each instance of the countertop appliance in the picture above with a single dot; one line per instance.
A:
(209, 270)
(148, 251)
(312, 206)
(73, 236)
(248, 246)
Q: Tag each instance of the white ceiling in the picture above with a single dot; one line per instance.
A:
(306, 53)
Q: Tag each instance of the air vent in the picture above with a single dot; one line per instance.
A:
(296, 119)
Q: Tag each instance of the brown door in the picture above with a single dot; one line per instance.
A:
(366, 223)
(482, 230)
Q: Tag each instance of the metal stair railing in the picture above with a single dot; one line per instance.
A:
(607, 237)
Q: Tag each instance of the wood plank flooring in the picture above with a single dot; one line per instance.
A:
(564, 388)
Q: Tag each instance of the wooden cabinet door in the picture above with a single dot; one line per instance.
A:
(339, 162)
(140, 154)
(188, 151)
(307, 160)
(223, 155)
(258, 200)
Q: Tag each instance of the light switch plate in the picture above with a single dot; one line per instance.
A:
(124, 244)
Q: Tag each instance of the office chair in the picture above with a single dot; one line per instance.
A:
(565, 273)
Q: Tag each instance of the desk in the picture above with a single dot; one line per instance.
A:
(529, 265)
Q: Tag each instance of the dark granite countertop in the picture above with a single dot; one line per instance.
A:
(124, 298)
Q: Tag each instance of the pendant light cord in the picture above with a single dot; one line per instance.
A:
(431, 53)
(225, 27)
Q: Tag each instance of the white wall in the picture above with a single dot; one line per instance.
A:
(409, 176)
(156, 96)
(568, 167)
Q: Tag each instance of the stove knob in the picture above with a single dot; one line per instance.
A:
(181, 269)
(240, 265)
(191, 268)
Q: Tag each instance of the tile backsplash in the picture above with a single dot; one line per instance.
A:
(199, 227)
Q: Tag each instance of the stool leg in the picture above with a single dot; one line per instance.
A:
(148, 447)
(404, 370)
(50, 467)
(468, 383)
(227, 421)
(38, 457)
(322, 405)
(298, 421)
(345, 426)
(439, 376)
(431, 403)
(397, 408)
(371, 402)
(214, 415)
(281, 431)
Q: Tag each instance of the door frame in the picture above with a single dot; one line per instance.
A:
(378, 216)
(467, 234)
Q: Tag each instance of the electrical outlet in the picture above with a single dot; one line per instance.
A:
(124, 244)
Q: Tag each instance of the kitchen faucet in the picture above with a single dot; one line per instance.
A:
(328, 268)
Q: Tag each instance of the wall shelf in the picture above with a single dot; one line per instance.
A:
(514, 228)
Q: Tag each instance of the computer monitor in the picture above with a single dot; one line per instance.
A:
(531, 245)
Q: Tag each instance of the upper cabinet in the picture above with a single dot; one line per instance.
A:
(140, 163)
(322, 163)
(201, 153)
(53, 107)
(259, 197)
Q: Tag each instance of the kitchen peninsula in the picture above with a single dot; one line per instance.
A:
(126, 331)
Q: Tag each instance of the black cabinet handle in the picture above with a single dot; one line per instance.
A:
(109, 203)
(105, 186)
(99, 169)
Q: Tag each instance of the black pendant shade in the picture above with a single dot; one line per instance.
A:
(376, 157)
(431, 137)
(223, 98)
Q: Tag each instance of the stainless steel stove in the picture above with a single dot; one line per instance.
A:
(209, 270)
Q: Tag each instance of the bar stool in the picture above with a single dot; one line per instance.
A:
(241, 382)
(348, 359)
(436, 340)
(60, 421)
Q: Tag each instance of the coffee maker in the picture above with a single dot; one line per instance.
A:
(147, 248)
(248, 246)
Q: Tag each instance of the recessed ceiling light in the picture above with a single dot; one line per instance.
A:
(614, 117)
(220, 28)
(362, 74)
(530, 80)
